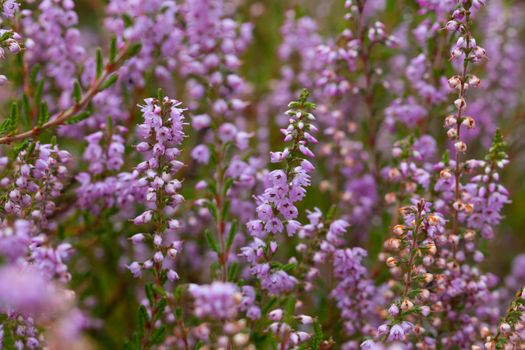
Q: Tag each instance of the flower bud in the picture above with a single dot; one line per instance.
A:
(305, 319)
(445, 174)
(393, 310)
(470, 235)
(454, 82)
(505, 328)
(407, 305)
(398, 230)
(137, 238)
(392, 244)
(474, 81)
(469, 122)
(450, 120)
(460, 146)
(275, 315)
(460, 103)
(452, 26)
(458, 205)
(452, 133)
(391, 262)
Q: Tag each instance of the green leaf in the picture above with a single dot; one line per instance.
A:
(225, 209)
(149, 293)
(161, 306)
(212, 242)
(113, 50)
(213, 210)
(159, 290)
(77, 92)
(8, 340)
(143, 318)
(43, 114)
(269, 305)
(109, 125)
(25, 110)
(232, 271)
(19, 147)
(212, 187)
(231, 234)
(6, 35)
(4, 127)
(288, 267)
(78, 117)
(289, 309)
(38, 92)
(498, 148)
(318, 335)
(331, 212)
(100, 63)
(134, 49)
(31, 149)
(158, 335)
(227, 185)
(33, 74)
(13, 118)
(109, 81)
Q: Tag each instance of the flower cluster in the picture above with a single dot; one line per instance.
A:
(132, 220)
(162, 131)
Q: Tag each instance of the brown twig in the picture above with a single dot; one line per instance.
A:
(63, 116)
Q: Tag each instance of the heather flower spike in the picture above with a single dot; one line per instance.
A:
(386, 215)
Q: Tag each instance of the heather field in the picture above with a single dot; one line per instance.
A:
(262, 174)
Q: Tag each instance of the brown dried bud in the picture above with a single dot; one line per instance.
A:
(391, 262)
(398, 230)
(407, 305)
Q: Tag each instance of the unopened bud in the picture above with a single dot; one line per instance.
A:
(392, 244)
(474, 81)
(450, 120)
(407, 305)
(445, 174)
(470, 235)
(458, 205)
(398, 230)
(454, 82)
(460, 103)
(460, 146)
(391, 262)
(469, 122)
(452, 26)
(452, 133)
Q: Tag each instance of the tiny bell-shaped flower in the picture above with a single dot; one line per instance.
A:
(172, 275)
(398, 230)
(393, 310)
(407, 305)
(391, 262)
(137, 238)
(460, 146)
(452, 26)
(460, 103)
(474, 81)
(469, 122)
(505, 328)
(454, 82)
(275, 315)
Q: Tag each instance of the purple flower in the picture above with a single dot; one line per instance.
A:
(217, 301)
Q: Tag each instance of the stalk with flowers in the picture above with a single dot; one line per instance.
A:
(248, 175)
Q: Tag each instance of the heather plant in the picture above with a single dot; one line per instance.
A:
(198, 174)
